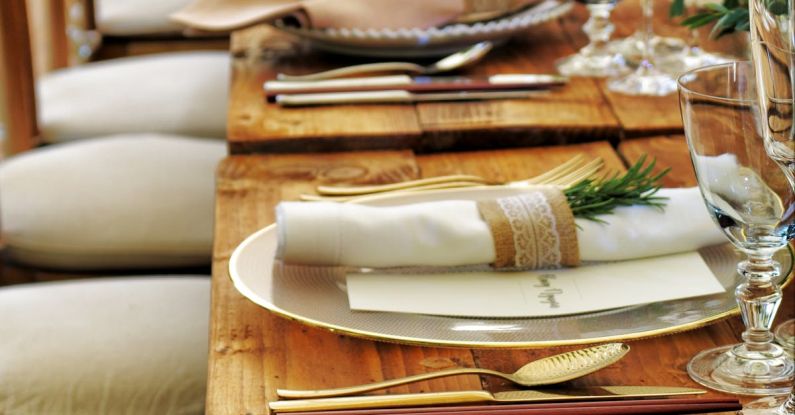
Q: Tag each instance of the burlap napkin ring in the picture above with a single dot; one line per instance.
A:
(533, 230)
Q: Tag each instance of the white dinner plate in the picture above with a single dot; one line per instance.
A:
(316, 296)
(432, 42)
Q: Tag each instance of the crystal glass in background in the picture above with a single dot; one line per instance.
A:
(662, 47)
(595, 59)
(646, 79)
(753, 202)
(773, 52)
(692, 55)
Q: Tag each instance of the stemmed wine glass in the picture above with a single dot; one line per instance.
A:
(632, 46)
(646, 79)
(595, 59)
(752, 200)
(773, 51)
(692, 55)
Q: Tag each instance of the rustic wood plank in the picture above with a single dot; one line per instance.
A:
(513, 164)
(252, 351)
(640, 115)
(669, 151)
(576, 112)
(255, 126)
(17, 96)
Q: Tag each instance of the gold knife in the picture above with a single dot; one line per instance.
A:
(592, 393)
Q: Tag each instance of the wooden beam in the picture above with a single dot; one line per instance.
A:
(16, 76)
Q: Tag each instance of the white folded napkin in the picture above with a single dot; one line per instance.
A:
(225, 15)
(452, 233)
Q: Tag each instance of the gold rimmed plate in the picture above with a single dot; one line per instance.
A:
(314, 296)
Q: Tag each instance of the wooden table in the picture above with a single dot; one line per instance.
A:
(583, 110)
(253, 351)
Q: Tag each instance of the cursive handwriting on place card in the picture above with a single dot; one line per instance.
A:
(549, 292)
(534, 293)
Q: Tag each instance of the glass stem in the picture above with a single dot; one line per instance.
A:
(758, 298)
(648, 34)
(598, 27)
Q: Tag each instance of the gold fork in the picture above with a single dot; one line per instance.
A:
(565, 175)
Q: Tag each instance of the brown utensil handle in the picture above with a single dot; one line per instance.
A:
(639, 407)
(660, 409)
(474, 409)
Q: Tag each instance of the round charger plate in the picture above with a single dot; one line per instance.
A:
(432, 42)
(315, 296)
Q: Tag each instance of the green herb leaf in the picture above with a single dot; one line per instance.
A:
(677, 8)
(590, 198)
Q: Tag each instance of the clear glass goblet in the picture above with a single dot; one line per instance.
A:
(753, 202)
(646, 79)
(595, 59)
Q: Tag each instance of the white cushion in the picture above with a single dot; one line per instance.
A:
(137, 17)
(128, 201)
(105, 346)
(175, 93)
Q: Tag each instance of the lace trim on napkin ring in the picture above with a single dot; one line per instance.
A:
(532, 230)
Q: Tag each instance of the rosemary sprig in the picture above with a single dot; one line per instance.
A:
(590, 198)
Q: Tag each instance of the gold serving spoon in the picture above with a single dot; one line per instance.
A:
(546, 371)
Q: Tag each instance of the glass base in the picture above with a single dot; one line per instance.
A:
(770, 405)
(785, 336)
(691, 59)
(597, 65)
(631, 48)
(644, 82)
(722, 369)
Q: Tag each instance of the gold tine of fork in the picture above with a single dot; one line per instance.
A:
(582, 173)
(546, 177)
(550, 176)
(349, 198)
(380, 188)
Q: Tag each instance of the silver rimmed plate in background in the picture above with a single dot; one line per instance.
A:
(316, 296)
(433, 42)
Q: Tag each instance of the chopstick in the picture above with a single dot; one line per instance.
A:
(640, 406)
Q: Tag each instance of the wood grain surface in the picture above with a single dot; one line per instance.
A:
(583, 110)
(575, 112)
(253, 352)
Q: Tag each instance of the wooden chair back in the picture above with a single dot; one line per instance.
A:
(18, 98)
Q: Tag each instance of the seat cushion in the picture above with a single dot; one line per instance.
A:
(127, 201)
(105, 346)
(174, 93)
(140, 17)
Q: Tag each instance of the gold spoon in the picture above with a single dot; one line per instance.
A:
(546, 371)
(457, 60)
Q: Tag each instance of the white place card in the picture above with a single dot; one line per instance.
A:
(536, 293)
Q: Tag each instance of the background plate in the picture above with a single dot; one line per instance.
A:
(315, 296)
(431, 42)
